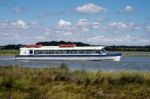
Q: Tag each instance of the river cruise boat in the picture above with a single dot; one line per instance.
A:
(66, 52)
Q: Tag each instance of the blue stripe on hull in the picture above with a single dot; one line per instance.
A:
(69, 55)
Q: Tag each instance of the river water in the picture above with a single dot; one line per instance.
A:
(126, 63)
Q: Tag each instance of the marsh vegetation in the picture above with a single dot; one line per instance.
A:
(52, 83)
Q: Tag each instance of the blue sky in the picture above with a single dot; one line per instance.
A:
(104, 22)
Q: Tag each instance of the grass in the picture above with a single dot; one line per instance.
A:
(137, 55)
(132, 53)
(9, 52)
(54, 83)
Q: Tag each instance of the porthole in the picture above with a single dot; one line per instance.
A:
(31, 51)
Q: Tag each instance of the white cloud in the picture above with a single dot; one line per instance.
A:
(64, 33)
(134, 26)
(21, 24)
(13, 25)
(18, 9)
(4, 24)
(93, 31)
(128, 9)
(118, 39)
(63, 28)
(148, 29)
(64, 24)
(90, 8)
(10, 36)
(82, 25)
(41, 38)
(124, 27)
(96, 25)
(85, 25)
(47, 31)
(119, 26)
(83, 22)
(19, 31)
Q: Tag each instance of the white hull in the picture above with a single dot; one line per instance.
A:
(66, 52)
(114, 58)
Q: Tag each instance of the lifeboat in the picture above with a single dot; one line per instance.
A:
(67, 45)
(33, 46)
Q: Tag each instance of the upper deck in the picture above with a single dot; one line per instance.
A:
(64, 48)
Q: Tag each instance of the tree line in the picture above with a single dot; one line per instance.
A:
(128, 48)
(56, 43)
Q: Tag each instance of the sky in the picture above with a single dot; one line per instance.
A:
(101, 22)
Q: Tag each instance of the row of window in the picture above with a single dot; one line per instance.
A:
(66, 51)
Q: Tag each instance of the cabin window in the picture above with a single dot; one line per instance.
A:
(48, 52)
(97, 51)
(58, 52)
(68, 51)
(31, 51)
(102, 52)
(73, 52)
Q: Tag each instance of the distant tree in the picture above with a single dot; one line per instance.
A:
(12, 47)
(55, 43)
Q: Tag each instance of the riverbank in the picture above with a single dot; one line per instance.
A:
(22, 82)
(133, 53)
(9, 52)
